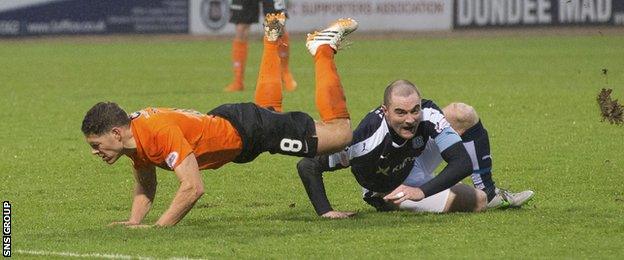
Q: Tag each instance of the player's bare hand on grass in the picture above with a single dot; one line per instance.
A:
(129, 224)
(141, 226)
(338, 214)
(122, 223)
(403, 193)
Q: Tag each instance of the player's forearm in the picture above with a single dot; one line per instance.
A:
(144, 193)
(459, 167)
(182, 203)
(311, 176)
(141, 205)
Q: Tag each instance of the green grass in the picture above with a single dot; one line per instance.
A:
(536, 95)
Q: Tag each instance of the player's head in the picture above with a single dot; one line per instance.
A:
(103, 126)
(461, 116)
(402, 107)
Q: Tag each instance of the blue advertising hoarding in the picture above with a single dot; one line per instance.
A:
(69, 17)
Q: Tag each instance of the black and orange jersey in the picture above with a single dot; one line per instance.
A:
(166, 136)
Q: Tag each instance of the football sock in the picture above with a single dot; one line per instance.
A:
(330, 98)
(239, 58)
(269, 86)
(284, 53)
(477, 144)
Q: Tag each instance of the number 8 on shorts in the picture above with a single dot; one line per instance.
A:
(290, 145)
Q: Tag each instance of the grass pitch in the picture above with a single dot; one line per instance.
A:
(535, 94)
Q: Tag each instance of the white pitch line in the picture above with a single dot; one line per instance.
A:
(89, 255)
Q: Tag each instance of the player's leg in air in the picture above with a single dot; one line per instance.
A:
(464, 119)
(334, 130)
(269, 84)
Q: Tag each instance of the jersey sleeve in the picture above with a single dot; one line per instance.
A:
(171, 145)
(440, 129)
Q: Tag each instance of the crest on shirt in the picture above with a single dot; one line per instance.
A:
(418, 142)
(440, 125)
(171, 159)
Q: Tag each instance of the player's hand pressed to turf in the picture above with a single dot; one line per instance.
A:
(403, 193)
(141, 226)
(338, 214)
(130, 224)
(123, 223)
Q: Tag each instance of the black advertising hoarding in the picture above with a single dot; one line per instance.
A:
(527, 13)
(70, 17)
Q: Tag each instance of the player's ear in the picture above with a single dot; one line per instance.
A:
(116, 131)
(384, 109)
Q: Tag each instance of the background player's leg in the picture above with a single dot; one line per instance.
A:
(269, 85)
(239, 57)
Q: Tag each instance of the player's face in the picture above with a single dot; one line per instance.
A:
(403, 114)
(107, 146)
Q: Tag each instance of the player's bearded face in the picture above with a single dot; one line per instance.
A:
(107, 146)
(403, 115)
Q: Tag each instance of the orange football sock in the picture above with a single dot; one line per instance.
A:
(239, 58)
(330, 98)
(269, 85)
(284, 52)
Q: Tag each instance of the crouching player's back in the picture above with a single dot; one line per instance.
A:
(165, 136)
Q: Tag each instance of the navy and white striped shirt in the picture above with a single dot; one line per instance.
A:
(380, 159)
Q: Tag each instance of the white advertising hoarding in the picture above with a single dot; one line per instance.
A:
(211, 16)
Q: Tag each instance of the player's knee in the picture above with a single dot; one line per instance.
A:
(481, 204)
(242, 32)
(347, 137)
(333, 136)
(344, 133)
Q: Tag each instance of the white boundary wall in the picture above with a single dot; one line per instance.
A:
(211, 16)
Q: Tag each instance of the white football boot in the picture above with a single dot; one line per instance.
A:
(274, 26)
(332, 35)
(507, 199)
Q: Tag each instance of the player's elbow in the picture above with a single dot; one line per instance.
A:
(307, 167)
(198, 191)
(463, 164)
(193, 191)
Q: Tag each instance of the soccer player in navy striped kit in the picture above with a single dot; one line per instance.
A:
(395, 150)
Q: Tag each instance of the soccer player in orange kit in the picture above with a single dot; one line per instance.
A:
(186, 141)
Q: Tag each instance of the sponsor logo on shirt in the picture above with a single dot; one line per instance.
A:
(171, 160)
(409, 161)
(418, 142)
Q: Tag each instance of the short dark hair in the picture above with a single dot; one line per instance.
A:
(102, 117)
(402, 88)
